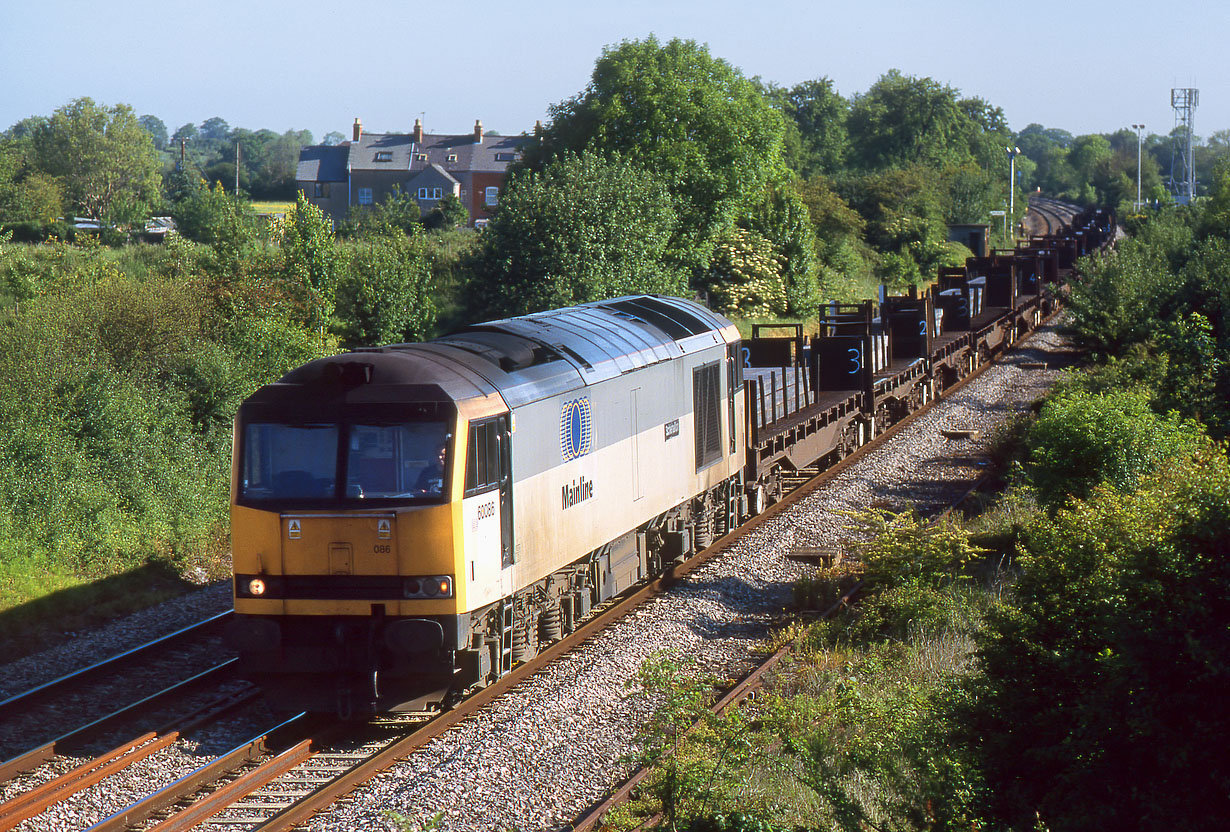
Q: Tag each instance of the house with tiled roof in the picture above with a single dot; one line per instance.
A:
(364, 170)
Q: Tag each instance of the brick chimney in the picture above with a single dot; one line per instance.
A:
(358, 129)
(418, 131)
(478, 131)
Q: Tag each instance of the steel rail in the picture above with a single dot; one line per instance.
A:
(238, 757)
(39, 799)
(37, 756)
(78, 677)
(42, 797)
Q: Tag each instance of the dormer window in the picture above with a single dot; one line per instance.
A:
(452, 157)
(422, 157)
(384, 155)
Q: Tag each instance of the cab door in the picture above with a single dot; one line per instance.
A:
(487, 511)
(504, 473)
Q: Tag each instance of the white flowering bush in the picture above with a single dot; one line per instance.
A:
(746, 276)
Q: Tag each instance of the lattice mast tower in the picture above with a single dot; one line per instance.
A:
(1183, 159)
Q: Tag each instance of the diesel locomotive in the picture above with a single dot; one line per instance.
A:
(410, 521)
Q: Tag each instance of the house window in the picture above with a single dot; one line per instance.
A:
(493, 196)
(452, 157)
(384, 155)
(321, 189)
(505, 157)
(430, 193)
(422, 157)
(365, 196)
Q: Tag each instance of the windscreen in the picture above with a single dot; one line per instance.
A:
(391, 461)
(290, 461)
(405, 460)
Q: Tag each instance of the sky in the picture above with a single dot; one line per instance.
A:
(1081, 66)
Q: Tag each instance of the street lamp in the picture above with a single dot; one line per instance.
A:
(1139, 145)
(1013, 152)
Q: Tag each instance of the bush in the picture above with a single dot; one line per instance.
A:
(385, 295)
(899, 549)
(123, 372)
(1101, 700)
(1081, 440)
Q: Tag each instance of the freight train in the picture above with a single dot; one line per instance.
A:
(411, 521)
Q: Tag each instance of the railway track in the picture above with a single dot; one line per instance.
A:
(87, 700)
(88, 696)
(1049, 216)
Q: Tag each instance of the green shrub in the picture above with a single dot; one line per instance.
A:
(1080, 441)
(1104, 678)
(903, 548)
(384, 294)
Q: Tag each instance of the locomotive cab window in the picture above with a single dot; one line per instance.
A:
(403, 461)
(392, 461)
(483, 466)
(285, 462)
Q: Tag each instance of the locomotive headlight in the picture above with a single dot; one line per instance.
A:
(436, 586)
(256, 587)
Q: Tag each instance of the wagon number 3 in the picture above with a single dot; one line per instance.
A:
(856, 359)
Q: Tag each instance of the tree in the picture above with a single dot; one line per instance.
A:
(27, 195)
(157, 130)
(905, 220)
(906, 120)
(1102, 693)
(705, 131)
(781, 218)
(332, 138)
(215, 129)
(105, 158)
(846, 259)
(584, 228)
(385, 293)
(185, 133)
(310, 264)
(970, 193)
(818, 113)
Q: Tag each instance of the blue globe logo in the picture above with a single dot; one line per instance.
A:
(575, 429)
